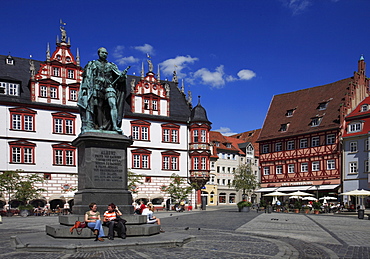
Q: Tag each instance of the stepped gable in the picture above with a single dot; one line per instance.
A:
(250, 136)
(305, 105)
(19, 72)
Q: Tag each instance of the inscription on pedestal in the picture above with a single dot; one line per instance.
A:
(108, 166)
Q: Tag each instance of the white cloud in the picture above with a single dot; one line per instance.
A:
(146, 48)
(225, 131)
(178, 64)
(246, 74)
(118, 51)
(127, 60)
(215, 79)
(297, 6)
(218, 78)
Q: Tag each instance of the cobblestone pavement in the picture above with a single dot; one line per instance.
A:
(225, 233)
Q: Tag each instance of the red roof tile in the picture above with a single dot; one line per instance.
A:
(250, 136)
(305, 105)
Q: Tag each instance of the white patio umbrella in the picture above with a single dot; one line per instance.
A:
(300, 194)
(308, 198)
(362, 193)
(358, 193)
(327, 198)
(295, 197)
(275, 194)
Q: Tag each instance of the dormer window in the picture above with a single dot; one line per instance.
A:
(283, 127)
(322, 106)
(9, 88)
(217, 144)
(9, 61)
(354, 127)
(364, 108)
(228, 145)
(315, 121)
(289, 113)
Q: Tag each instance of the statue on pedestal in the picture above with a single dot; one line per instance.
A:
(101, 96)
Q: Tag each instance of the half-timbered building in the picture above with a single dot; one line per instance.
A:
(300, 146)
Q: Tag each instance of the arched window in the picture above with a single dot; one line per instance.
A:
(222, 197)
(232, 198)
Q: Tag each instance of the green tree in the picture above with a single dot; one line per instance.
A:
(23, 186)
(9, 181)
(176, 189)
(133, 180)
(26, 189)
(244, 179)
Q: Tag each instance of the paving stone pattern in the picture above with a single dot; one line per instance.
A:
(223, 232)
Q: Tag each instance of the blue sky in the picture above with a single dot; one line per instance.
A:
(235, 54)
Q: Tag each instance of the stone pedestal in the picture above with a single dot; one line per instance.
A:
(102, 172)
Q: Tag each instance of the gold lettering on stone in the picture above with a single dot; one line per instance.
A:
(108, 167)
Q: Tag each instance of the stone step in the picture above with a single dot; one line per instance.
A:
(69, 220)
(62, 231)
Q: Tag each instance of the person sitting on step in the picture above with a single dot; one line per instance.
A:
(92, 218)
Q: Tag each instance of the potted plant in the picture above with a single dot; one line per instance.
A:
(317, 207)
(297, 206)
(306, 209)
(244, 206)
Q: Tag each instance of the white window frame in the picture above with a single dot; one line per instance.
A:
(355, 127)
(71, 74)
(203, 136)
(43, 91)
(56, 71)
(73, 95)
(330, 139)
(330, 164)
(279, 169)
(13, 89)
(53, 93)
(353, 147)
(290, 145)
(17, 121)
(352, 166)
(315, 141)
(291, 168)
(278, 146)
(303, 143)
(266, 170)
(315, 166)
(304, 167)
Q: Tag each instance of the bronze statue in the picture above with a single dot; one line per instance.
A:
(101, 96)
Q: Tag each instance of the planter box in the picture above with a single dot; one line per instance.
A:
(245, 209)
